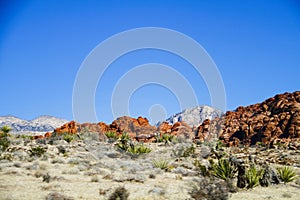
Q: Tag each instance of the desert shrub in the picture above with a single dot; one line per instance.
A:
(46, 178)
(202, 168)
(220, 145)
(112, 136)
(68, 138)
(210, 189)
(166, 138)
(37, 151)
(95, 178)
(4, 137)
(138, 149)
(6, 156)
(161, 163)
(224, 169)
(184, 151)
(119, 193)
(4, 143)
(58, 196)
(286, 174)
(253, 175)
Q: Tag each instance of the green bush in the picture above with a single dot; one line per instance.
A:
(286, 174)
(5, 130)
(224, 169)
(161, 163)
(37, 151)
(166, 138)
(68, 137)
(4, 143)
(184, 151)
(253, 175)
(202, 168)
(111, 135)
(138, 149)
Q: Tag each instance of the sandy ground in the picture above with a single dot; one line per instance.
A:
(93, 172)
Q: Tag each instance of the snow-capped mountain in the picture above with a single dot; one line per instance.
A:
(40, 124)
(195, 116)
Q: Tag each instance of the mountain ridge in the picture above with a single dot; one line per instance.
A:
(40, 124)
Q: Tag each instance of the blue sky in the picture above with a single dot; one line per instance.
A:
(255, 45)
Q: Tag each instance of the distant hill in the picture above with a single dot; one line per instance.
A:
(40, 124)
(195, 116)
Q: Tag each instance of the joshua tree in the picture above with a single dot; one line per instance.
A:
(5, 129)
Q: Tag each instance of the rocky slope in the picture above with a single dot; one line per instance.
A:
(40, 124)
(274, 121)
(195, 116)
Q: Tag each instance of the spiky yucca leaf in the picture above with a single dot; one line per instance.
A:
(253, 175)
(224, 169)
(286, 174)
(161, 163)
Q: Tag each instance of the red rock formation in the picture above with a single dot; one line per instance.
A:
(70, 128)
(277, 119)
(139, 128)
(177, 129)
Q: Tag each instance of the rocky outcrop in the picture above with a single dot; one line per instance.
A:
(276, 120)
(69, 128)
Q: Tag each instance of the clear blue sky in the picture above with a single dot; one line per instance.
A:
(255, 44)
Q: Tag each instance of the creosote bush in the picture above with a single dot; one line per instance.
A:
(286, 174)
(120, 193)
(210, 189)
(184, 151)
(37, 151)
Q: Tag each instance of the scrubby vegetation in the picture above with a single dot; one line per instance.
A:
(120, 193)
(286, 174)
(211, 168)
(210, 189)
(4, 137)
(161, 164)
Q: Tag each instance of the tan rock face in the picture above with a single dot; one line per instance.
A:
(277, 119)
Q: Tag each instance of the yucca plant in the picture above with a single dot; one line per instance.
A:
(138, 149)
(161, 163)
(124, 141)
(111, 134)
(253, 175)
(224, 169)
(68, 138)
(5, 130)
(286, 174)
